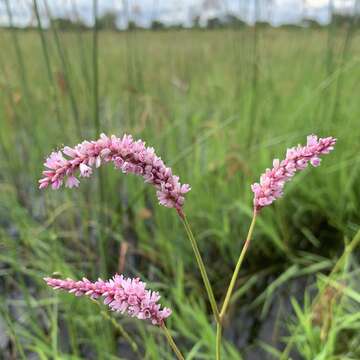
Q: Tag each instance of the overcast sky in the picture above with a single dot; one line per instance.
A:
(276, 12)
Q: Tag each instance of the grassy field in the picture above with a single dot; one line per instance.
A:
(217, 106)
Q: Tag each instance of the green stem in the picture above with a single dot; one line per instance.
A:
(96, 68)
(202, 269)
(218, 341)
(237, 268)
(95, 59)
(171, 342)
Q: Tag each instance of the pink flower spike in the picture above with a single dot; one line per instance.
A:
(297, 158)
(120, 294)
(127, 155)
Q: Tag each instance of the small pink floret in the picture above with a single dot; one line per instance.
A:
(85, 170)
(71, 182)
(273, 180)
(120, 294)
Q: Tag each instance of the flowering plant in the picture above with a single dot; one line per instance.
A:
(130, 296)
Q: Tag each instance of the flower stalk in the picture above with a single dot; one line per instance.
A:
(202, 269)
(218, 340)
(172, 343)
(237, 268)
(232, 285)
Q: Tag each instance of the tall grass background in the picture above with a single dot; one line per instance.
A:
(218, 106)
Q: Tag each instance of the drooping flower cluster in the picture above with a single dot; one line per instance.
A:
(297, 158)
(120, 294)
(128, 155)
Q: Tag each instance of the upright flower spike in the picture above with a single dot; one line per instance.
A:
(297, 158)
(126, 154)
(121, 294)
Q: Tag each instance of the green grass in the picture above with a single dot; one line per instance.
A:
(191, 95)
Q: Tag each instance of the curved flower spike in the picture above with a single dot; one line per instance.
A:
(127, 155)
(297, 158)
(120, 294)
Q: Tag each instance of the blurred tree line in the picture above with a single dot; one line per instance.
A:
(109, 21)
